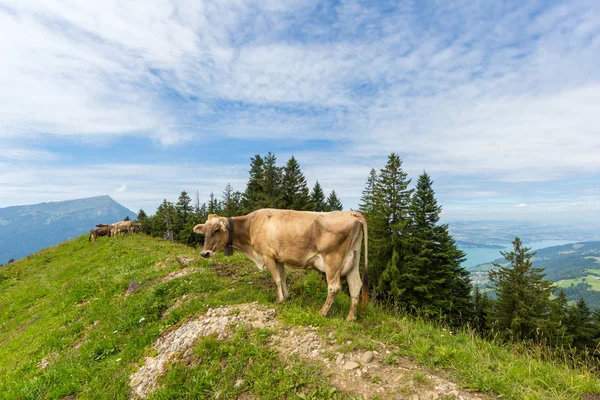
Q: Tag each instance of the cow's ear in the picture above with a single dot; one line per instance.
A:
(210, 216)
(199, 229)
(223, 226)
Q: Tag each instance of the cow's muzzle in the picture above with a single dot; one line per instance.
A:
(206, 253)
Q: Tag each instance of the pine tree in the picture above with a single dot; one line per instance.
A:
(141, 215)
(231, 202)
(183, 218)
(126, 218)
(556, 325)
(162, 222)
(387, 219)
(213, 205)
(431, 272)
(389, 285)
(580, 325)
(482, 306)
(367, 201)
(144, 221)
(522, 293)
(391, 192)
(184, 206)
(295, 191)
(270, 195)
(333, 202)
(253, 193)
(317, 198)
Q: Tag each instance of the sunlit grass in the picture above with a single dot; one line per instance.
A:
(70, 305)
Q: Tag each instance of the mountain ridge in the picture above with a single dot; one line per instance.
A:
(25, 229)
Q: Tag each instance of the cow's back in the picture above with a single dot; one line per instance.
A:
(295, 237)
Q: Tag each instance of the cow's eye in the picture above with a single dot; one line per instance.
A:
(217, 230)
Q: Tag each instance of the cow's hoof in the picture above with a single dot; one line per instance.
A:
(351, 318)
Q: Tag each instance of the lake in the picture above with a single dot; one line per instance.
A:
(476, 256)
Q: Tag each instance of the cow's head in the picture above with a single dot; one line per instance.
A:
(216, 234)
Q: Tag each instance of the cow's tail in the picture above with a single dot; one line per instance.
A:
(365, 285)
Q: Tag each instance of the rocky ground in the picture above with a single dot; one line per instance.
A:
(361, 373)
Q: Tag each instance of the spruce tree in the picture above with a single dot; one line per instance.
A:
(431, 273)
(141, 215)
(367, 201)
(270, 195)
(230, 202)
(522, 293)
(184, 207)
(213, 205)
(183, 215)
(557, 323)
(295, 191)
(162, 223)
(333, 202)
(143, 220)
(317, 198)
(481, 310)
(391, 193)
(580, 325)
(252, 195)
(387, 219)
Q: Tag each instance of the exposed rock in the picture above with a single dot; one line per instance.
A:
(258, 325)
(367, 357)
(350, 365)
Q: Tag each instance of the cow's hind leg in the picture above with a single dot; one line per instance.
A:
(274, 270)
(334, 284)
(284, 289)
(354, 285)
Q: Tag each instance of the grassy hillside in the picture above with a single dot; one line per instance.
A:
(79, 318)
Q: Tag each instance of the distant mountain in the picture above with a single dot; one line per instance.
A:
(574, 267)
(27, 229)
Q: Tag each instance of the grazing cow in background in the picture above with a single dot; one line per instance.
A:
(329, 242)
(135, 227)
(121, 226)
(107, 226)
(100, 231)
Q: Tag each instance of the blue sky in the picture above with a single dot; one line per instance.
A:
(498, 101)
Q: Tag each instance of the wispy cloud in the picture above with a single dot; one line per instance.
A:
(486, 97)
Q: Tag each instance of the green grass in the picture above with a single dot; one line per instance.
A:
(68, 304)
(593, 280)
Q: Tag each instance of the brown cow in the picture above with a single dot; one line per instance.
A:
(121, 226)
(329, 242)
(101, 231)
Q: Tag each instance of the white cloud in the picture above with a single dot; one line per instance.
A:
(522, 205)
(486, 91)
(121, 188)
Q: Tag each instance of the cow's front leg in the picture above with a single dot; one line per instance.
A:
(274, 270)
(284, 288)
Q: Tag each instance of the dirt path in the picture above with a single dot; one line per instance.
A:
(359, 373)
